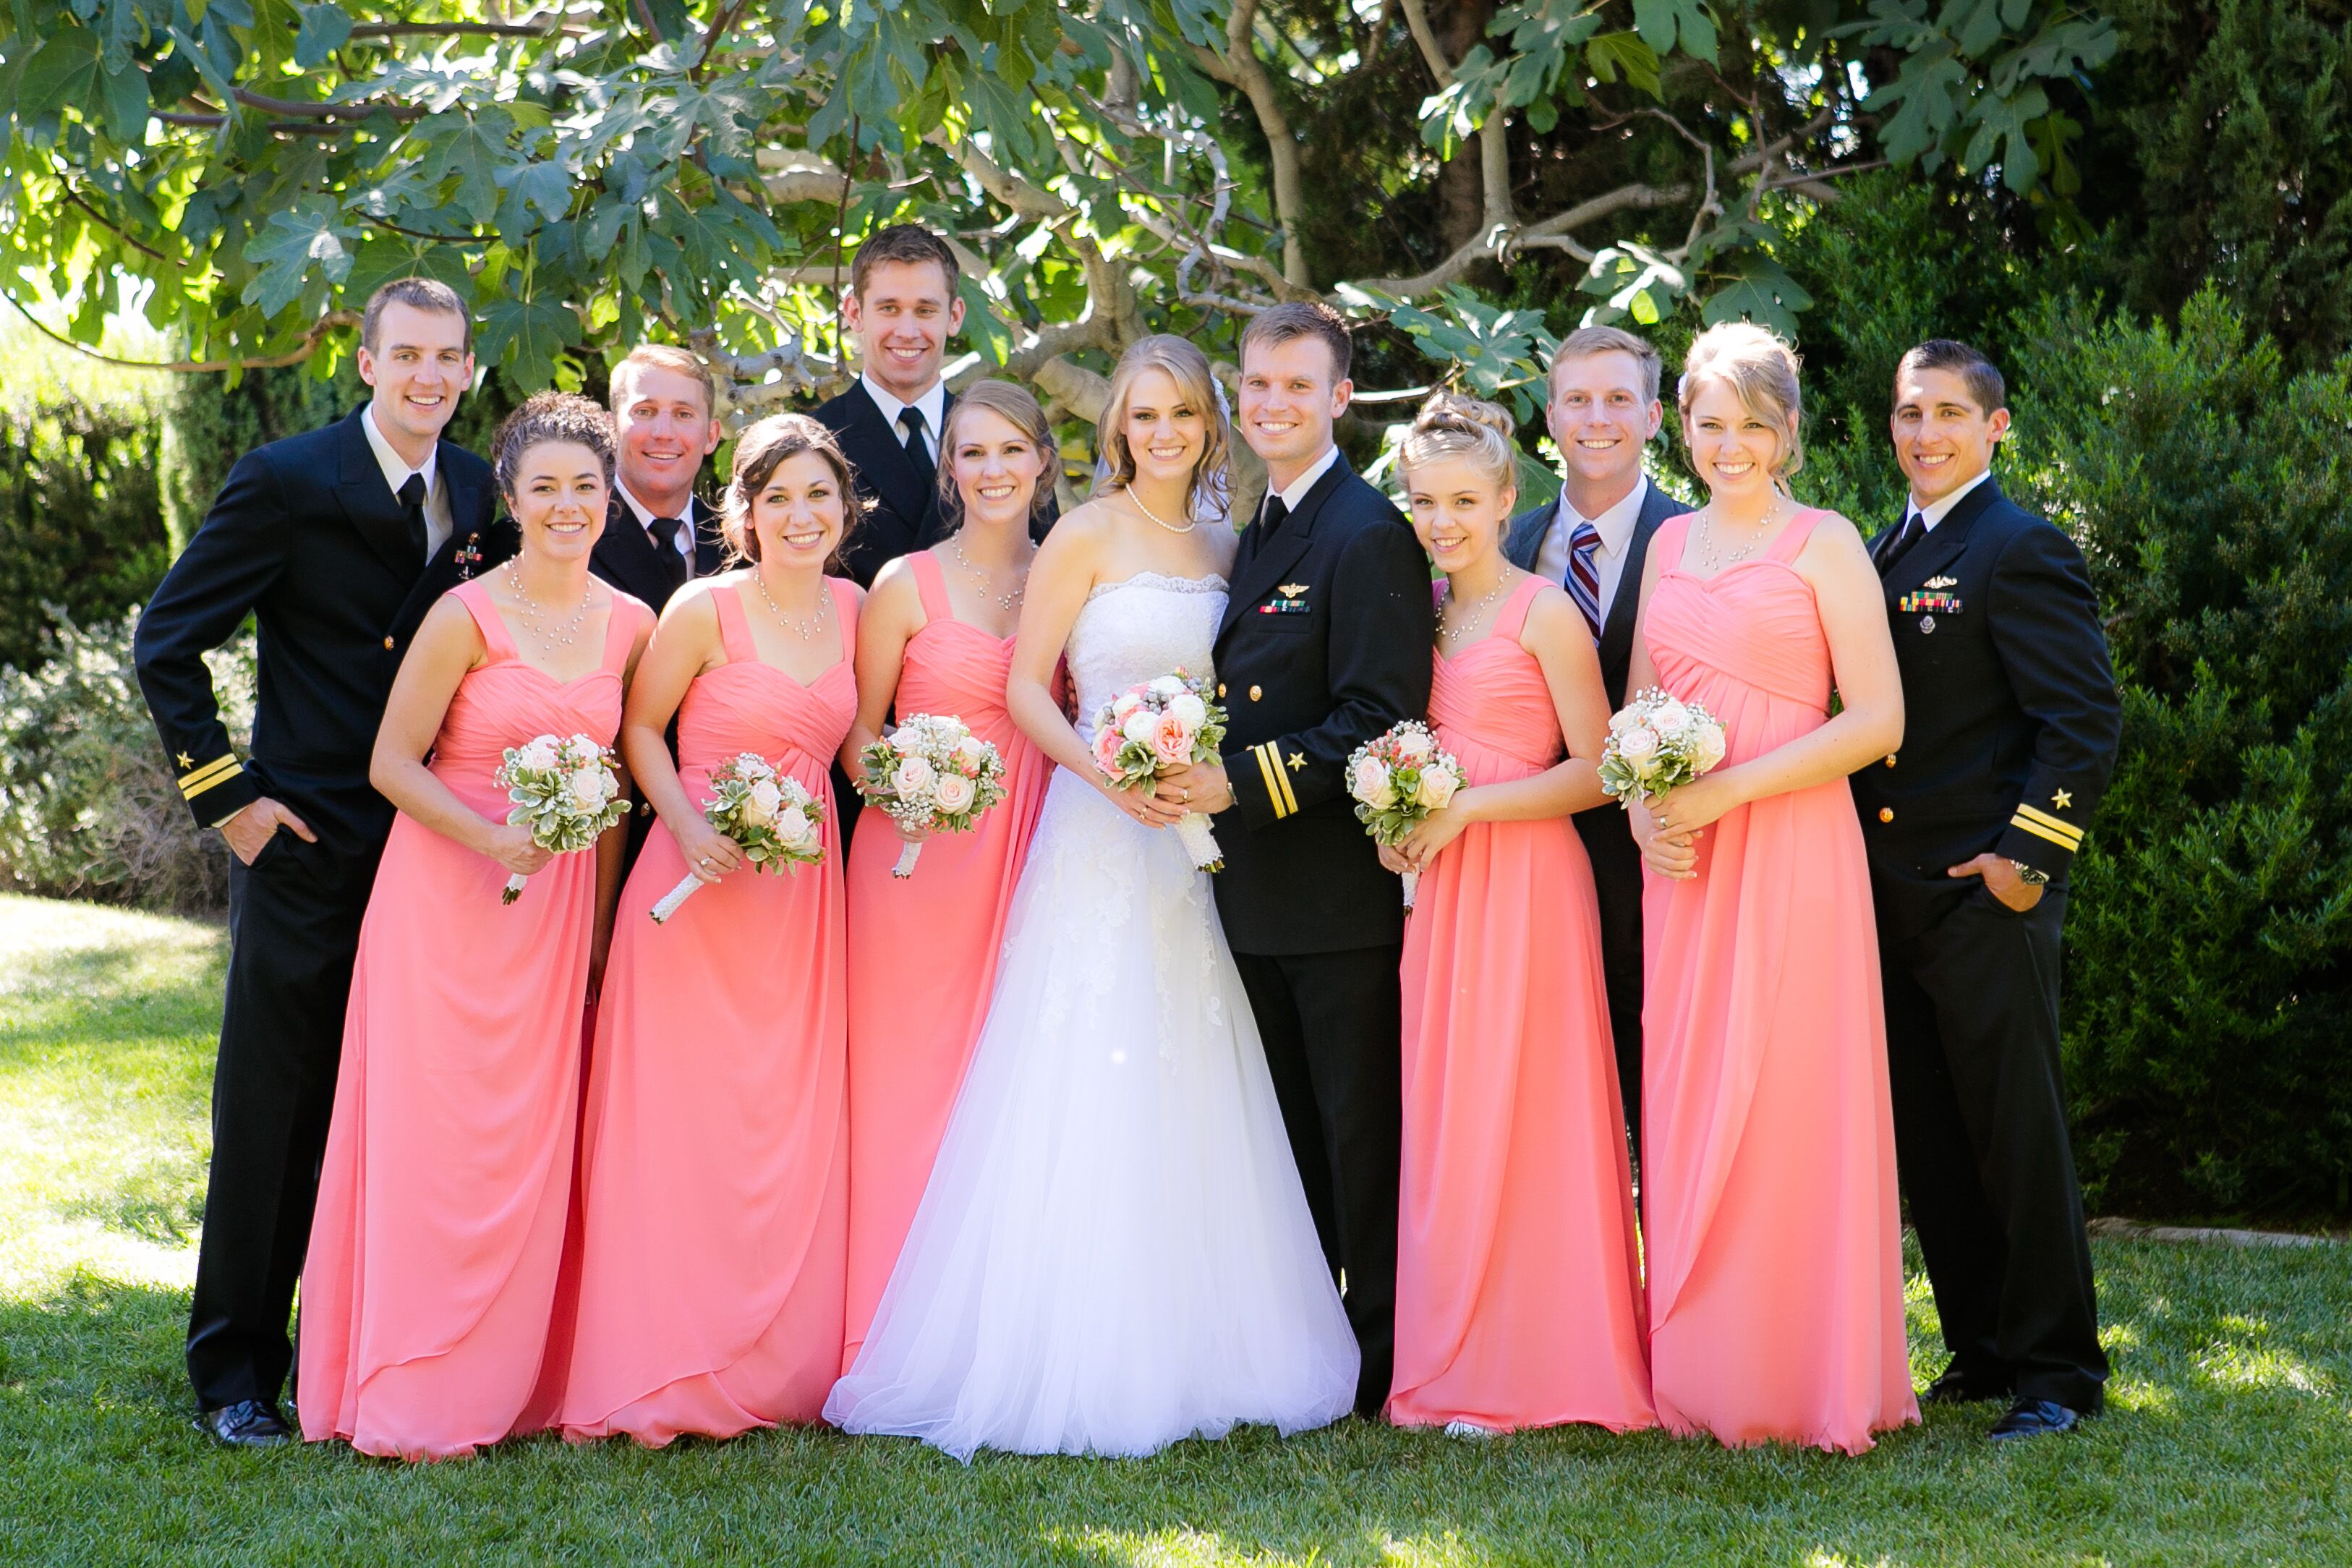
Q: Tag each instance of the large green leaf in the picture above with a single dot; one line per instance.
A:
(310, 234)
(524, 335)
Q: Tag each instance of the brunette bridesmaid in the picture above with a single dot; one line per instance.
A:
(937, 637)
(1519, 1286)
(432, 1278)
(714, 1157)
(1771, 1224)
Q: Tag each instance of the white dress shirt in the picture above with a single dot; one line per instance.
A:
(933, 406)
(1296, 491)
(438, 525)
(1929, 516)
(1615, 527)
(644, 516)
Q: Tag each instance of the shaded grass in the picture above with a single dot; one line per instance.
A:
(2229, 1438)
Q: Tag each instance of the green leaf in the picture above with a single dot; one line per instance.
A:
(523, 337)
(296, 239)
(325, 28)
(543, 188)
(1764, 294)
(1660, 21)
(61, 73)
(476, 158)
(1629, 53)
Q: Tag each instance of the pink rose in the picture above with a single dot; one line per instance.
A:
(1171, 741)
(1108, 741)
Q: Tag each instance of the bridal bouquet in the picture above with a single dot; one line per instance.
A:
(1398, 779)
(1162, 724)
(565, 788)
(1655, 742)
(772, 817)
(933, 773)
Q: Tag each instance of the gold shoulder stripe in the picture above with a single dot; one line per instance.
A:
(2055, 824)
(215, 765)
(2036, 828)
(1281, 774)
(1272, 787)
(196, 783)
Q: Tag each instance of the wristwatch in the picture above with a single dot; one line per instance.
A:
(2030, 876)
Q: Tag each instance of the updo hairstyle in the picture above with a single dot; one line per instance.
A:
(549, 419)
(1451, 426)
(1762, 369)
(758, 453)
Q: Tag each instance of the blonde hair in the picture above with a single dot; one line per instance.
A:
(1481, 434)
(1018, 406)
(662, 356)
(1187, 367)
(758, 453)
(1762, 369)
(1586, 342)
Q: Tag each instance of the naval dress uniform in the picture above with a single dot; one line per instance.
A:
(2009, 733)
(313, 537)
(1541, 540)
(1325, 645)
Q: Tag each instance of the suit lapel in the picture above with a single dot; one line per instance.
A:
(709, 541)
(1526, 536)
(1276, 553)
(1943, 542)
(894, 478)
(1616, 647)
(375, 512)
(625, 557)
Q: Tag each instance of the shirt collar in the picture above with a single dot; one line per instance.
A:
(1296, 491)
(1930, 516)
(933, 404)
(644, 514)
(1615, 525)
(395, 467)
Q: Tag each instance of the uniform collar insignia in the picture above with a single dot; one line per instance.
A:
(1292, 589)
(1943, 582)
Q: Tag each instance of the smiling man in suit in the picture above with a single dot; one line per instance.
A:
(658, 536)
(1971, 827)
(337, 542)
(1603, 413)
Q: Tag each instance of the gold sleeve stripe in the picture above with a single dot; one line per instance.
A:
(1273, 782)
(193, 784)
(2036, 828)
(2055, 824)
(1281, 775)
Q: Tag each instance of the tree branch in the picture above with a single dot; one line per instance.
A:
(1547, 232)
(353, 112)
(1425, 38)
(1238, 67)
(327, 324)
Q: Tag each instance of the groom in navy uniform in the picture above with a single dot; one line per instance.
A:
(1603, 413)
(1972, 826)
(1325, 645)
(337, 542)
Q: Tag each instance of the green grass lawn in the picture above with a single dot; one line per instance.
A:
(2229, 1437)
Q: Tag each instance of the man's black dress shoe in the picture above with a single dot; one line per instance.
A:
(1952, 1388)
(248, 1423)
(2033, 1418)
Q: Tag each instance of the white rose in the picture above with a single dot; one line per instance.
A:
(1371, 785)
(793, 828)
(1438, 787)
(1669, 716)
(1413, 746)
(913, 777)
(1190, 711)
(539, 754)
(1624, 720)
(1166, 686)
(972, 749)
(1137, 726)
(956, 792)
(592, 788)
(1638, 744)
(761, 805)
(1710, 748)
(1125, 704)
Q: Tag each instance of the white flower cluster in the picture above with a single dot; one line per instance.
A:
(1657, 742)
(564, 788)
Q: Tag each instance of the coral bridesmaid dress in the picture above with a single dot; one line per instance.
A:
(714, 1155)
(431, 1282)
(1519, 1286)
(923, 950)
(1768, 1154)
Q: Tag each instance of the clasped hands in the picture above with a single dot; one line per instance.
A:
(1668, 827)
(1163, 801)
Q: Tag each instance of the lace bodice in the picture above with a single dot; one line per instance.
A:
(1139, 627)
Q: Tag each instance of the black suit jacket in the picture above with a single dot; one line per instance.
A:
(630, 561)
(308, 539)
(1616, 645)
(902, 513)
(1326, 644)
(2010, 717)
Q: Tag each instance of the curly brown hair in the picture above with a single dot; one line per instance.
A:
(759, 452)
(546, 417)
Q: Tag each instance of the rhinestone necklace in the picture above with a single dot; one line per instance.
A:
(1468, 619)
(1190, 523)
(806, 630)
(1706, 552)
(534, 614)
(980, 575)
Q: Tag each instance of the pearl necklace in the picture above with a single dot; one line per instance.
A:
(533, 613)
(1452, 636)
(806, 631)
(987, 583)
(1190, 523)
(1706, 552)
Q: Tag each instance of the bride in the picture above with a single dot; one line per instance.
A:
(1114, 1251)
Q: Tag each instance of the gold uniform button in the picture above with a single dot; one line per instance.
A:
(1221, 689)
(1885, 814)
(1890, 759)
(1256, 693)
(387, 645)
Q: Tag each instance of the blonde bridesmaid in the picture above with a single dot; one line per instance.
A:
(431, 1277)
(937, 637)
(714, 1159)
(1518, 1285)
(1771, 1224)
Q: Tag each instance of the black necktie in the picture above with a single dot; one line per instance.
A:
(664, 531)
(1277, 511)
(1914, 528)
(910, 426)
(412, 505)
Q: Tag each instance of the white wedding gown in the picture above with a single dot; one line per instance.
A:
(1114, 1252)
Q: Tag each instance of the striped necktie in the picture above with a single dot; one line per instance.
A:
(1583, 580)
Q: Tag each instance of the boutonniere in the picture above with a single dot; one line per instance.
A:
(469, 556)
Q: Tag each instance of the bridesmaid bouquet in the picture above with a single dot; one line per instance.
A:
(771, 815)
(1656, 741)
(565, 788)
(1164, 723)
(1398, 779)
(933, 772)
